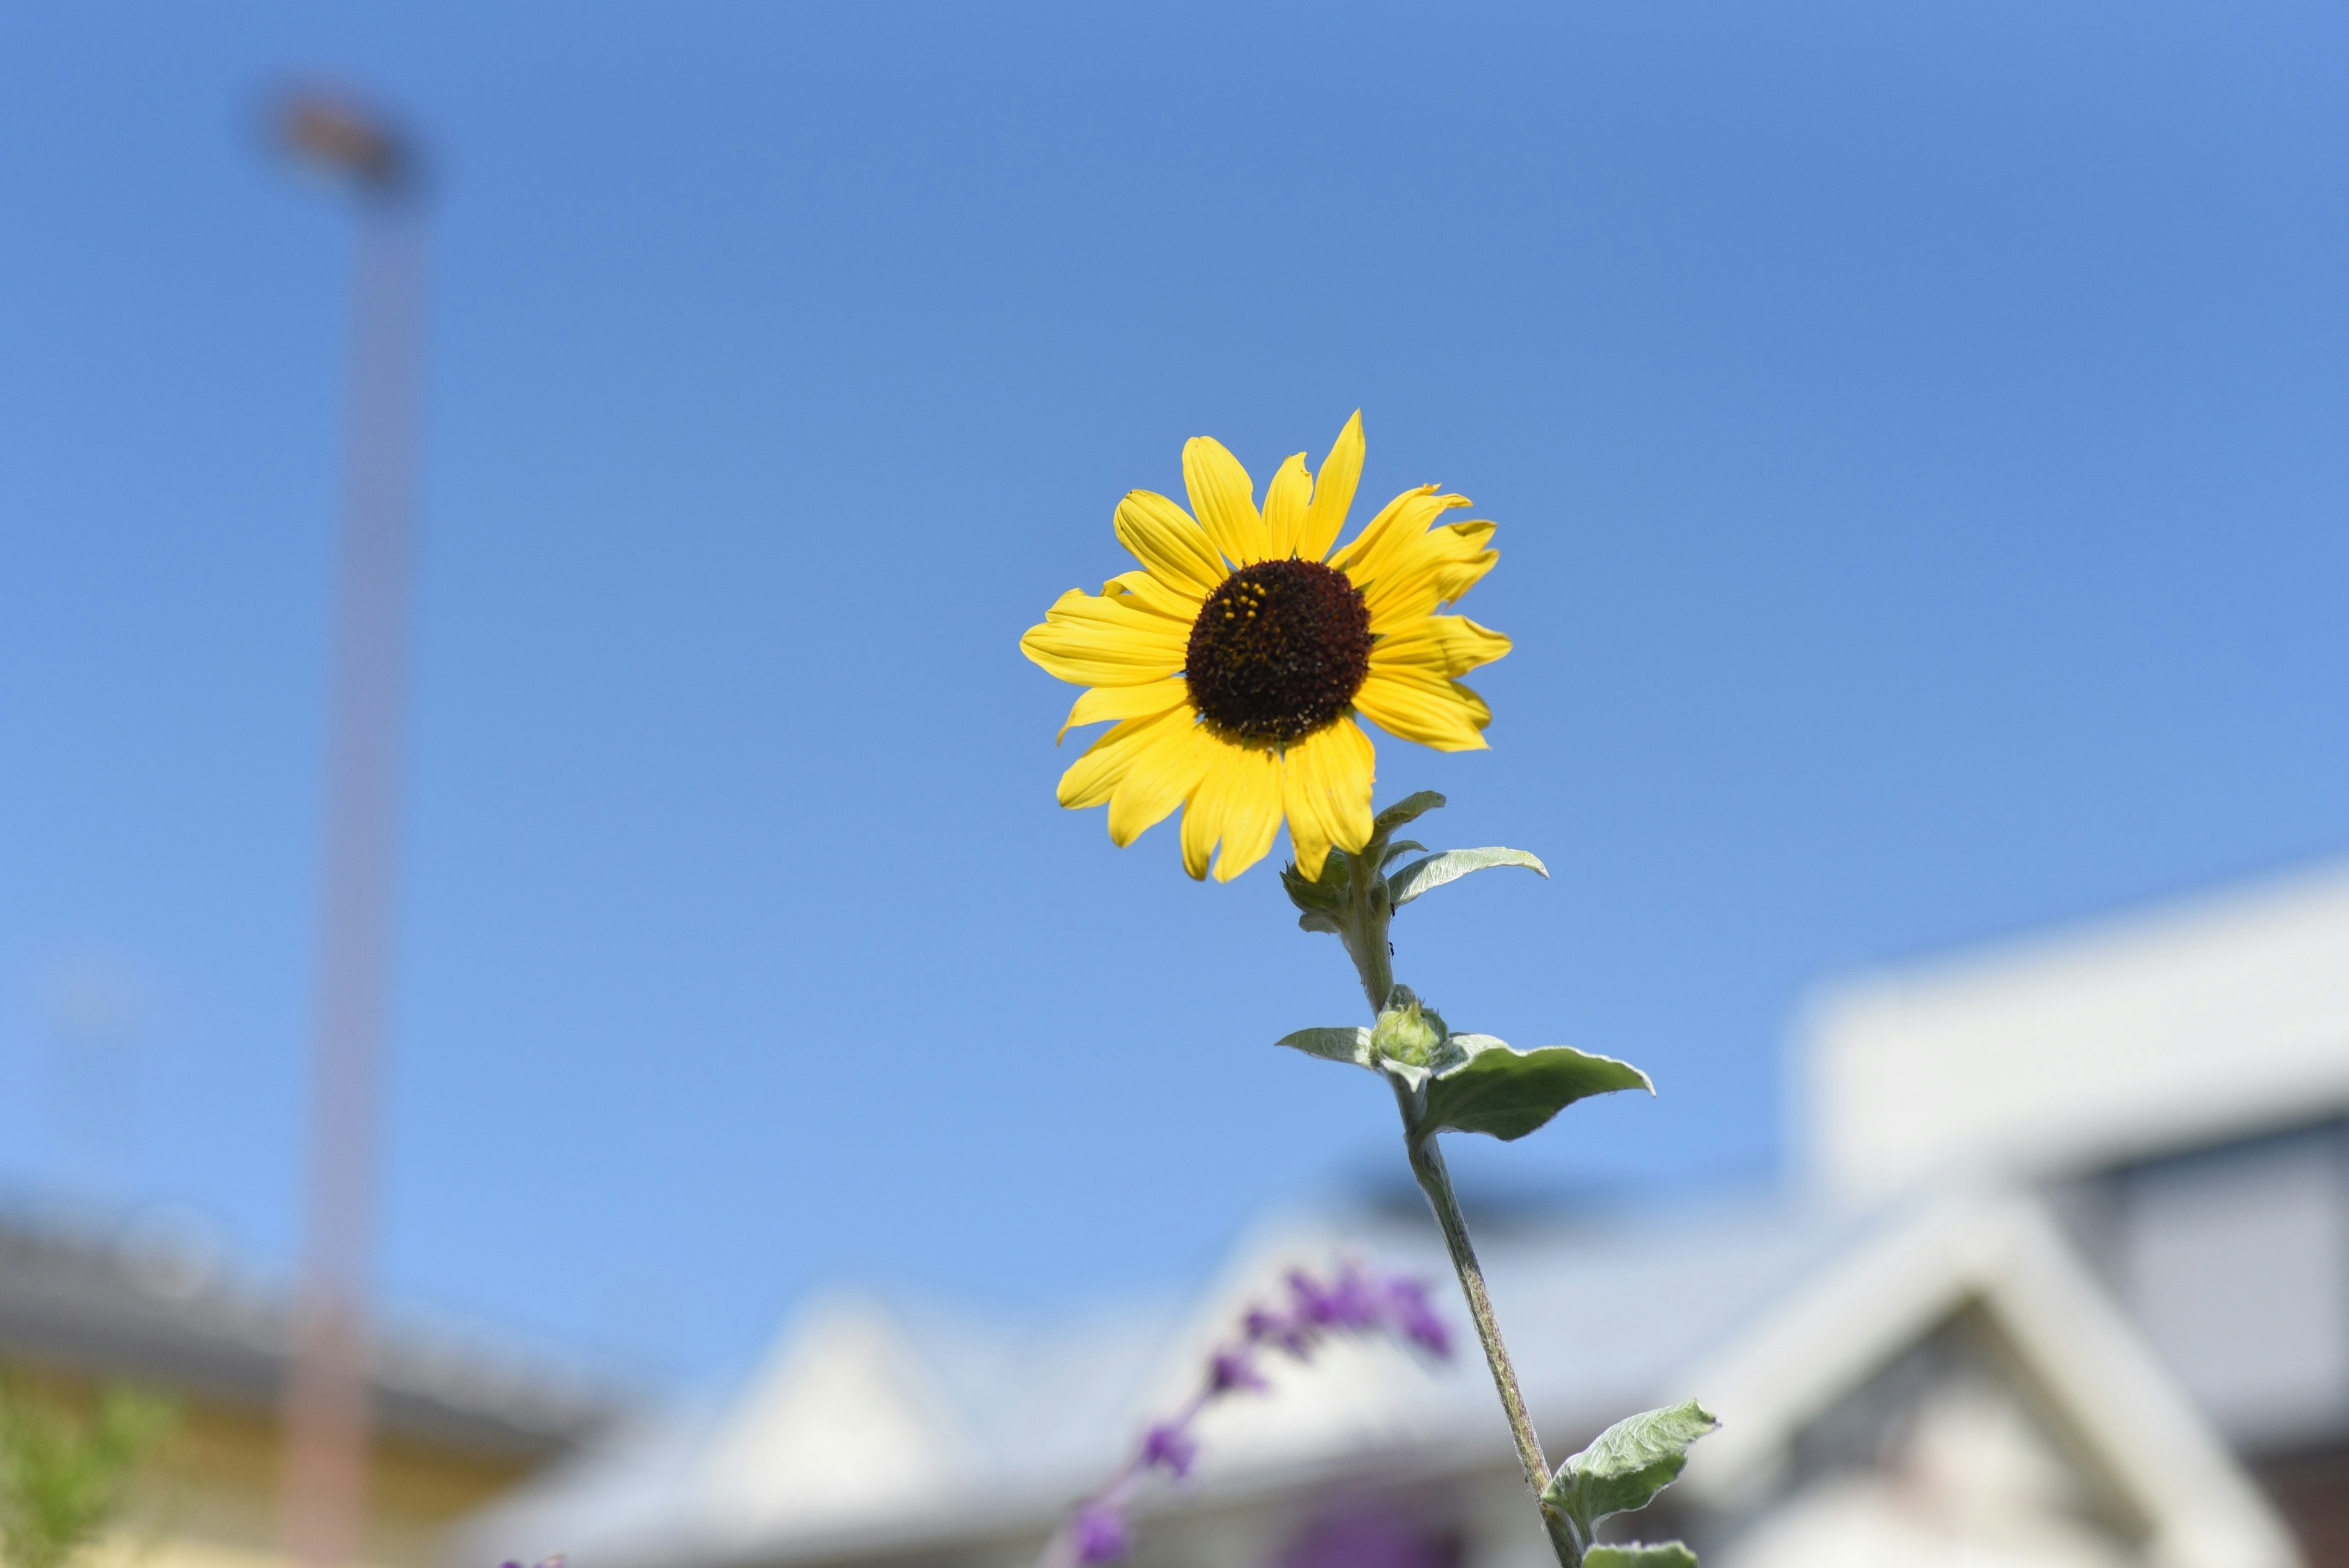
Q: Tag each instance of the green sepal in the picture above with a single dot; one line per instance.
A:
(1427, 875)
(1632, 1554)
(1506, 1092)
(1332, 1044)
(1626, 1465)
(1327, 891)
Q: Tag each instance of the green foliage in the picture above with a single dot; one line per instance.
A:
(1467, 1082)
(1335, 1045)
(1410, 809)
(1506, 1092)
(1435, 871)
(1627, 1466)
(1669, 1554)
(66, 1472)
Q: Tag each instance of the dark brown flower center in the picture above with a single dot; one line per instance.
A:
(1278, 651)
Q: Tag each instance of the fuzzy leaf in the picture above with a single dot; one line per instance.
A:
(1631, 1554)
(1507, 1092)
(1433, 872)
(1409, 807)
(1336, 1044)
(1628, 1465)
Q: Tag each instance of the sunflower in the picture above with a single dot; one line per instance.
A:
(1237, 660)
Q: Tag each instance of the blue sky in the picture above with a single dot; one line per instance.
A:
(1916, 435)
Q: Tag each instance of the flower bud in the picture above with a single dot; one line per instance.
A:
(1407, 1032)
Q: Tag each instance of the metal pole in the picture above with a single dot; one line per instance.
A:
(326, 1395)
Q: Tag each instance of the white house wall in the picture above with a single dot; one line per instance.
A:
(2214, 1018)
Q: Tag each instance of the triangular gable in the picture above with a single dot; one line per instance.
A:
(2000, 1258)
(843, 1425)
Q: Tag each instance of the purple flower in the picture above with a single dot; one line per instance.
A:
(1233, 1369)
(1352, 1303)
(1356, 1302)
(1415, 1319)
(1101, 1535)
(1170, 1448)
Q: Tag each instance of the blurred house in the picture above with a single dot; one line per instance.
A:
(2177, 1085)
(457, 1424)
(2066, 1285)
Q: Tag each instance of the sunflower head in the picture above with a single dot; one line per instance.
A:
(1234, 664)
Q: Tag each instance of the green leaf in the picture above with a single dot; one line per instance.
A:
(1507, 1092)
(1409, 808)
(1336, 1044)
(1630, 1463)
(1425, 876)
(1631, 1554)
(1400, 847)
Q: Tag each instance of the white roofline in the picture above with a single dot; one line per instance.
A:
(2001, 1254)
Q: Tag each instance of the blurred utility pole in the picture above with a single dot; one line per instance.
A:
(325, 1410)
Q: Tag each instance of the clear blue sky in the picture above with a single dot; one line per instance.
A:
(1917, 436)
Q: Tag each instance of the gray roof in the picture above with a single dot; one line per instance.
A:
(144, 1307)
(882, 1436)
(1012, 1420)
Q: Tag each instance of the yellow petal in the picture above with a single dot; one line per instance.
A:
(1284, 503)
(1480, 713)
(1238, 801)
(1251, 813)
(1147, 591)
(1415, 707)
(1378, 549)
(1163, 538)
(1093, 778)
(1333, 492)
(1422, 573)
(1164, 771)
(1096, 641)
(1203, 817)
(1326, 782)
(1438, 645)
(1225, 498)
(1125, 702)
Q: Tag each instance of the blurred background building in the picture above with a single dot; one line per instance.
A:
(2064, 1283)
(460, 1416)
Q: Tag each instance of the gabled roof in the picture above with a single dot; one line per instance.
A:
(146, 1309)
(1998, 1258)
(2193, 1023)
(875, 1432)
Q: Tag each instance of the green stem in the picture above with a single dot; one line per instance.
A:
(1427, 1164)
(1366, 932)
(1367, 943)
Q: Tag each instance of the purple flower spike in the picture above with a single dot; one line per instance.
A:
(1170, 1448)
(1356, 1302)
(1233, 1369)
(1418, 1321)
(1314, 1304)
(1101, 1535)
(1353, 1304)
